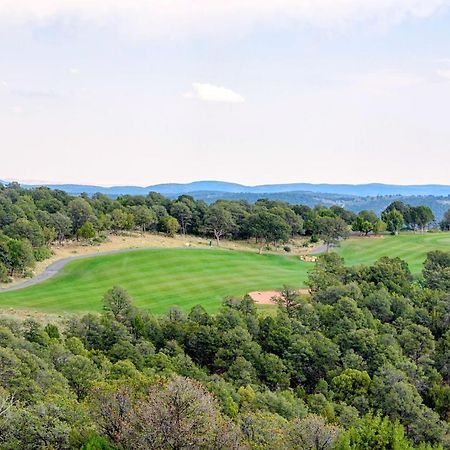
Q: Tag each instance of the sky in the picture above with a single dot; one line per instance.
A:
(139, 92)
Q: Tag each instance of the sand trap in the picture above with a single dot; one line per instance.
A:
(266, 297)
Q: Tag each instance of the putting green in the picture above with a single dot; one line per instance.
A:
(160, 278)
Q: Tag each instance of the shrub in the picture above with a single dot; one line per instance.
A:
(4, 274)
(42, 253)
(287, 249)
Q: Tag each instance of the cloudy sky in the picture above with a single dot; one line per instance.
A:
(252, 91)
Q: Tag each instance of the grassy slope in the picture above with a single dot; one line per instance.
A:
(160, 278)
(413, 248)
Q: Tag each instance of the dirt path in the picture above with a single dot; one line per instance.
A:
(319, 250)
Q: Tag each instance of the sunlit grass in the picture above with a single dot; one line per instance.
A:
(413, 248)
(160, 278)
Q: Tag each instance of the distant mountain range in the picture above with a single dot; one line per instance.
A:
(175, 189)
(373, 196)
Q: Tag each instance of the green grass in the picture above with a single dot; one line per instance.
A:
(411, 247)
(160, 278)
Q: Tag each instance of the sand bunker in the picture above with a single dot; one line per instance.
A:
(266, 297)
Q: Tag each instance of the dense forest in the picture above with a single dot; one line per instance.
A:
(31, 219)
(361, 363)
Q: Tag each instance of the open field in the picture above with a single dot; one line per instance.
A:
(135, 240)
(160, 278)
(413, 248)
(164, 277)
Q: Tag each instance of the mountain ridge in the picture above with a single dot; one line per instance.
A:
(362, 190)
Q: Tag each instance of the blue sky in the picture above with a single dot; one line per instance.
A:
(148, 91)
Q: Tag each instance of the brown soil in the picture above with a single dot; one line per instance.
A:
(25, 314)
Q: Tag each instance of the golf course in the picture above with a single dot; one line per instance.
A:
(412, 247)
(160, 278)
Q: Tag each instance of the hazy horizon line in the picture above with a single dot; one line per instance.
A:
(109, 185)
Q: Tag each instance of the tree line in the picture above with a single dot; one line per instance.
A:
(32, 219)
(361, 363)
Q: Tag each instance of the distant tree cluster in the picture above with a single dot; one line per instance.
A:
(361, 363)
(31, 219)
(398, 215)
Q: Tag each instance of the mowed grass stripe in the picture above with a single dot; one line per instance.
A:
(411, 247)
(160, 278)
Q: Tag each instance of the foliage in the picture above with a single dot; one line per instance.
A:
(361, 363)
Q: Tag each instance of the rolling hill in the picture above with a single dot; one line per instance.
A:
(373, 196)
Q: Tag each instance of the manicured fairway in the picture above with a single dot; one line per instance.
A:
(411, 247)
(160, 278)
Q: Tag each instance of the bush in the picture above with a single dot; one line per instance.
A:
(28, 273)
(287, 249)
(4, 278)
(97, 443)
(86, 231)
(314, 239)
(99, 239)
(42, 253)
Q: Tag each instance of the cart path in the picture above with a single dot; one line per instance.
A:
(52, 269)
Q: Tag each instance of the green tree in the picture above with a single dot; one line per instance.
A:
(86, 231)
(3, 273)
(331, 230)
(20, 256)
(350, 385)
(80, 211)
(418, 343)
(365, 222)
(394, 221)
(436, 270)
(423, 216)
(118, 301)
(219, 221)
(170, 225)
(268, 228)
(144, 217)
(375, 433)
(183, 214)
(289, 300)
(81, 373)
(445, 222)
(62, 225)
(121, 220)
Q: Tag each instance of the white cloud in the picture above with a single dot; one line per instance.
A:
(170, 18)
(74, 71)
(210, 93)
